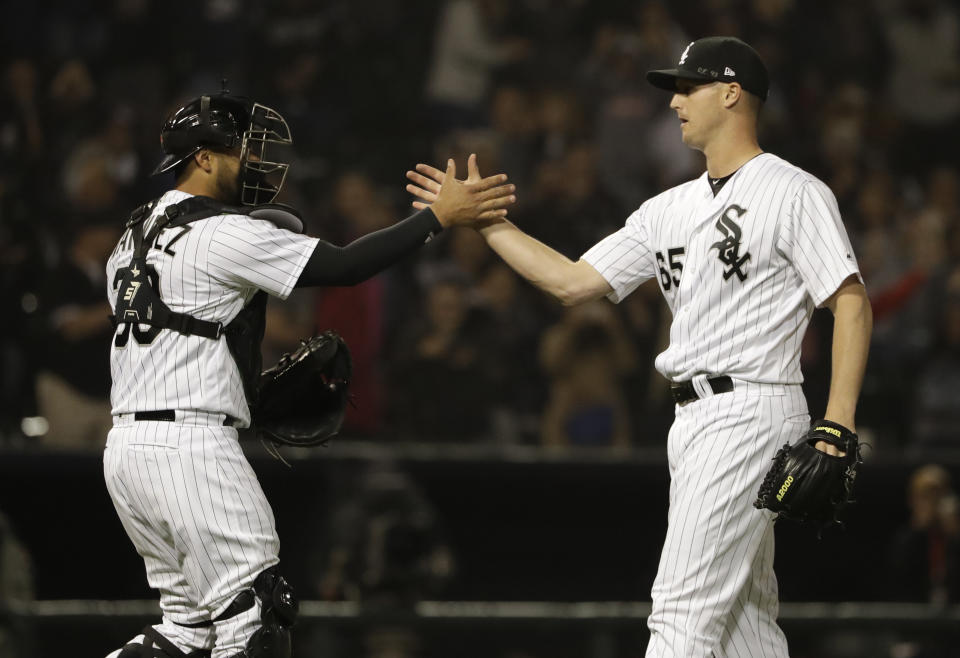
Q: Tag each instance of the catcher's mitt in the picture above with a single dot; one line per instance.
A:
(806, 484)
(303, 398)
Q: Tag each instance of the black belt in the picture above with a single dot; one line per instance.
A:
(684, 392)
(170, 415)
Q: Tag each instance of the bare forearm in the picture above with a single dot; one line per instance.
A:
(546, 268)
(853, 324)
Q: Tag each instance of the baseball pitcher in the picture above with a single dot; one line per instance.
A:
(743, 255)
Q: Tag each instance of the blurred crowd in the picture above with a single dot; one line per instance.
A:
(451, 345)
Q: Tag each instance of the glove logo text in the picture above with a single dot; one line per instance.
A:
(783, 489)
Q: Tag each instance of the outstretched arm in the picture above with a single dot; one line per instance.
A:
(568, 281)
(330, 265)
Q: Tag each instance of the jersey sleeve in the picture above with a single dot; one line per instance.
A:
(815, 241)
(624, 258)
(254, 253)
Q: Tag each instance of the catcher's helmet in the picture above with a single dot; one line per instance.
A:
(229, 122)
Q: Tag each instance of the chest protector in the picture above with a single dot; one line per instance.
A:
(138, 287)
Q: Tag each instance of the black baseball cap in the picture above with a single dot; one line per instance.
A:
(717, 59)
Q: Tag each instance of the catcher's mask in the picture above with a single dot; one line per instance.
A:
(229, 122)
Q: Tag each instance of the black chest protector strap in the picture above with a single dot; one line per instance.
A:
(138, 293)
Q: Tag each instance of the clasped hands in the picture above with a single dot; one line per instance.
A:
(471, 201)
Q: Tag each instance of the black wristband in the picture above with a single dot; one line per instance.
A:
(830, 427)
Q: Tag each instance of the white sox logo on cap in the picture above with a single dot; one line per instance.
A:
(716, 59)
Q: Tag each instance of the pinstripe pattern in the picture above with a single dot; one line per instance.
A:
(217, 266)
(184, 491)
(195, 512)
(751, 329)
(715, 591)
(742, 272)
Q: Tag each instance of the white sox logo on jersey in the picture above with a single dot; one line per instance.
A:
(728, 249)
(797, 248)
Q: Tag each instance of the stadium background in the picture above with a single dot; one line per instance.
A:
(503, 449)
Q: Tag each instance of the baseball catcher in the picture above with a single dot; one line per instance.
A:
(808, 484)
(189, 282)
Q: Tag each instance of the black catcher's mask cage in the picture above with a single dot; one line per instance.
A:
(230, 122)
(261, 174)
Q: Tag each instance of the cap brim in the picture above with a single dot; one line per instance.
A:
(667, 78)
(169, 162)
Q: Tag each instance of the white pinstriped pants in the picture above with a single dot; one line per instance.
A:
(715, 593)
(193, 508)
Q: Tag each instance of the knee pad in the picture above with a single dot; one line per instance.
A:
(279, 608)
(279, 603)
(155, 645)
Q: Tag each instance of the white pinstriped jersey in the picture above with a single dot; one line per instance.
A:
(208, 269)
(742, 271)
